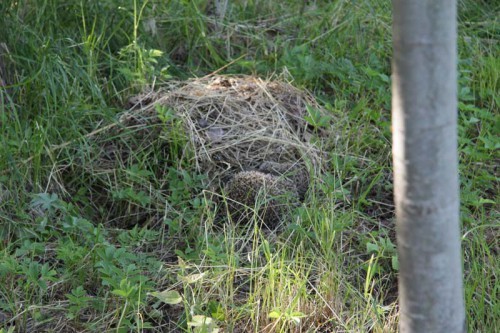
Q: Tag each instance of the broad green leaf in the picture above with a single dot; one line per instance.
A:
(200, 320)
(395, 263)
(121, 293)
(274, 314)
(168, 296)
(486, 201)
(371, 247)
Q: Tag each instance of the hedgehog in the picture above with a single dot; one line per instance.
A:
(268, 195)
(294, 172)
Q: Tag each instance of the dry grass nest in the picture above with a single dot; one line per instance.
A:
(236, 124)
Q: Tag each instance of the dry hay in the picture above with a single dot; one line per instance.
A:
(235, 124)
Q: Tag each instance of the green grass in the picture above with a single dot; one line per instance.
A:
(132, 245)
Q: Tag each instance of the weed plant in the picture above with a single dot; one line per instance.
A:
(135, 246)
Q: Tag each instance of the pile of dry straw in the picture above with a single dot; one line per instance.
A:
(237, 124)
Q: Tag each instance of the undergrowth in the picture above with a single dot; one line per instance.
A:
(134, 245)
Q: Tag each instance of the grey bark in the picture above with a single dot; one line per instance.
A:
(426, 189)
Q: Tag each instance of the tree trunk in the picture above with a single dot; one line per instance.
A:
(426, 190)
